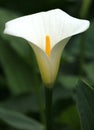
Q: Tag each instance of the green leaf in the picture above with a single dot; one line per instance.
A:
(62, 99)
(69, 117)
(89, 69)
(19, 44)
(85, 103)
(23, 103)
(74, 47)
(19, 74)
(68, 81)
(5, 15)
(89, 40)
(22, 47)
(61, 92)
(19, 121)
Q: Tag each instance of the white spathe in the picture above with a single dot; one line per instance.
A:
(56, 24)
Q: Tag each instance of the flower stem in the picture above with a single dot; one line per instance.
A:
(85, 8)
(48, 107)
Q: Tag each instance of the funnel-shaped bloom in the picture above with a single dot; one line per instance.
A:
(47, 33)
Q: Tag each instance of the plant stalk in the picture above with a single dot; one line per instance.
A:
(48, 108)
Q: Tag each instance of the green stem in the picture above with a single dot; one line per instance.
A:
(85, 8)
(48, 107)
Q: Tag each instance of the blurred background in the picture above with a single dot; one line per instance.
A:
(21, 88)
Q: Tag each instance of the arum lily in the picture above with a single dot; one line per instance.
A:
(47, 33)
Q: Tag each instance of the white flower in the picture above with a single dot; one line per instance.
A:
(47, 33)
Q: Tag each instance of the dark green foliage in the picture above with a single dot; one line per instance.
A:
(21, 88)
(85, 99)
